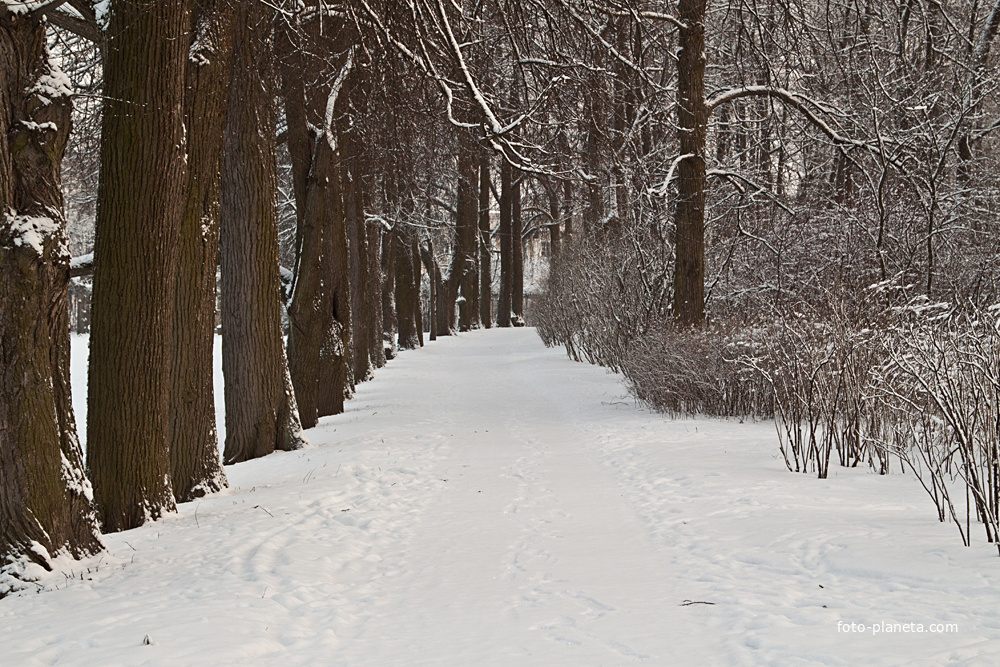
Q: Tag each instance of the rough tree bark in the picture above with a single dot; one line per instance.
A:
(418, 315)
(506, 246)
(310, 311)
(336, 381)
(434, 276)
(388, 269)
(140, 203)
(463, 279)
(45, 499)
(361, 316)
(516, 254)
(315, 345)
(485, 245)
(261, 413)
(376, 343)
(407, 308)
(692, 116)
(195, 468)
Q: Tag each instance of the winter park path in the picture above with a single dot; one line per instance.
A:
(485, 501)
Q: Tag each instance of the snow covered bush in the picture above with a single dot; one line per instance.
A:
(603, 293)
(685, 372)
(817, 368)
(939, 388)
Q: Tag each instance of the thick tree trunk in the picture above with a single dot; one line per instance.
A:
(463, 278)
(336, 379)
(261, 414)
(516, 254)
(416, 306)
(310, 311)
(485, 245)
(45, 502)
(390, 324)
(506, 247)
(319, 309)
(407, 308)
(360, 272)
(195, 468)
(376, 341)
(692, 115)
(436, 286)
(139, 209)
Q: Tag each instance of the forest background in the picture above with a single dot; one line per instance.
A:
(749, 208)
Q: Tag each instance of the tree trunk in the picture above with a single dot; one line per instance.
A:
(463, 279)
(516, 255)
(692, 115)
(140, 204)
(416, 306)
(261, 414)
(506, 247)
(44, 494)
(319, 323)
(406, 284)
(485, 245)
(336, 381)
(195, 468)
(310, 311)
(434, 275)
(359, 259)
(390, 324)
(376, 341)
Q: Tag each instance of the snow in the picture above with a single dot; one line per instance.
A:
(53, 84)
(80, 262)
(32, 231)
(39, 127)
(16, 7)
(485, 501)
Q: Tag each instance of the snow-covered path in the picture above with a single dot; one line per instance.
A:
(484, 501)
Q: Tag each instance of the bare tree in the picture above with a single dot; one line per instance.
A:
(139, 210)
(195, 468)
(45, 501)
(261, 413)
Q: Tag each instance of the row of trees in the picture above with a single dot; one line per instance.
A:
(216, 118)
(724, 164)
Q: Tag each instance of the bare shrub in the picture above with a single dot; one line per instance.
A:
(602, 294)
(940, 388)
(687, 372)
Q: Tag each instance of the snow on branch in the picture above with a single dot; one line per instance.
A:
(81, 265)
(331, 101)
(661, 190)
(801, 103)
(638, 15)
(596, 34)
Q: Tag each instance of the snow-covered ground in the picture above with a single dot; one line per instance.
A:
(485, 501)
